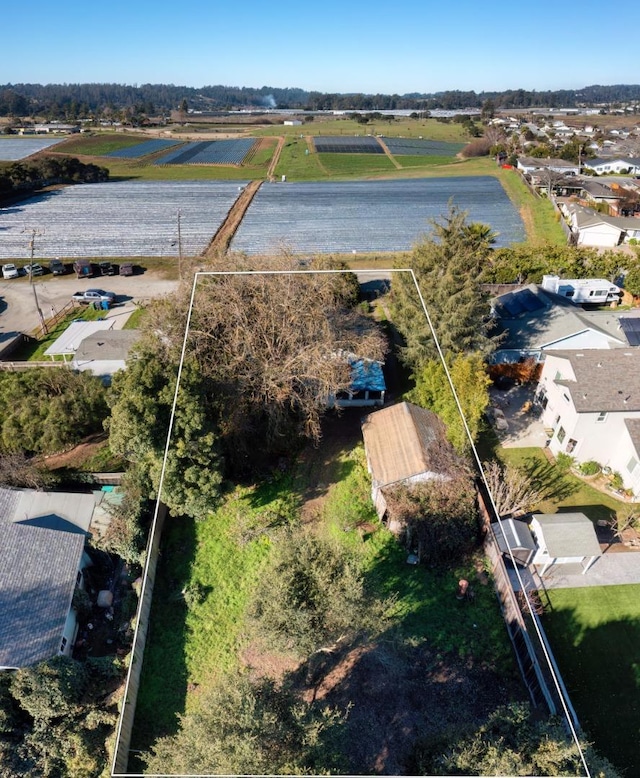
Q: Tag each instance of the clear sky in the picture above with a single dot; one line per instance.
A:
(327, 45)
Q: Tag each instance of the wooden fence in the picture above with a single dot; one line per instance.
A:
(48, 324)
(127, 715)
(531, 646)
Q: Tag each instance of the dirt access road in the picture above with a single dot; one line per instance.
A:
(17, 305)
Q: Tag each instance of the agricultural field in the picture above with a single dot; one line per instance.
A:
(15, 149)
(367, 216)
(119, 219)
(144, 149)
(139, 218)
(342, 145)
(212, 152)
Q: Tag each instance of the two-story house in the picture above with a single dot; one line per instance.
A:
(591, 402)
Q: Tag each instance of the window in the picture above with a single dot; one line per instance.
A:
(63, 645)
(632, 464)
(602, 416)
(569, 293)
(561, 434)
(571, 445)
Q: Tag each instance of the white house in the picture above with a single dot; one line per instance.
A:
(591, 228)
(564, 538)
(532, 165)
(103, 353)
(591, 405)
(533, 322)
(615, 165)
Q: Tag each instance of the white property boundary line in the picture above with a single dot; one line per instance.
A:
(548, 658)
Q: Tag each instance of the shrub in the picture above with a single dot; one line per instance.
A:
(564, 462)
(616, 480)
(590, 468)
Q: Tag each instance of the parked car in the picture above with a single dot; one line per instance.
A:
(108, 269)
(10, 271)
(34, 270)
(57, 267)
(94, 296)
(83, 268)
(126, 269)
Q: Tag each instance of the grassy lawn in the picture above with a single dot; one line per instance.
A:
(564, 491)
(34, 352)
(209, 570)
(133, 322)
(595, 634)
(541, 222)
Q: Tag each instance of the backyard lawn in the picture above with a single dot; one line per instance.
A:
(595, 636)
(564, 491)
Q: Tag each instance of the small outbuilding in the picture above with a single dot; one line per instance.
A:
(564, 538)
(404, 444)
(514, 538)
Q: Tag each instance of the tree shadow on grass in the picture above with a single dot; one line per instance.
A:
(551, 482)
(163, 684)
(600, 667)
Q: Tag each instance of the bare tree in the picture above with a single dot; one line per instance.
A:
(512, 490)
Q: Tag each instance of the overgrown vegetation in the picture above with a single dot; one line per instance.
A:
(55, 718)
(44, 411)
(46, 170)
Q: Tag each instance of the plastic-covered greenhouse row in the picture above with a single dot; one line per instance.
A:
(14, 149)
(369, 216)
(119, 219)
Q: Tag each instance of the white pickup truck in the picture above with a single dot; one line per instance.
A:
(94, 296)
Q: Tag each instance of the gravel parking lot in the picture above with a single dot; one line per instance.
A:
(17, 305)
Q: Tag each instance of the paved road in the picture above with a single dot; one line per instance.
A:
(17, 305)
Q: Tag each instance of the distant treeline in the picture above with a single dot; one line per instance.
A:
(78, 101)
(27, 176)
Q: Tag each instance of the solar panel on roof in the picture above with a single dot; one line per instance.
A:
(510, 302)
(529, 300)
(631, 328)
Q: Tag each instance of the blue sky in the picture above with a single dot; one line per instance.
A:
(328, 46)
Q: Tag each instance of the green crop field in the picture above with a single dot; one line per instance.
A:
(350, 165)
(100, 144)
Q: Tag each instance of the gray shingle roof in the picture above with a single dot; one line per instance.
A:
(38, 569)
(555, 319)
(606, 380)
(109, 345)
(568, 535)
(633, 428)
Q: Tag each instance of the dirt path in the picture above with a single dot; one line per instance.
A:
(275, 159)
(389, 154)
(224, 235)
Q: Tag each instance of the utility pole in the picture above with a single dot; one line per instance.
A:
(32, 248)
(179, 247)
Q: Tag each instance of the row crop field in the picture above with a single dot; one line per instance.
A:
(211, 152)
(15, 149)
(144, 149)
(368, 216)
(139, 218)
(119, 219)
(421, 147)
(345, 145)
